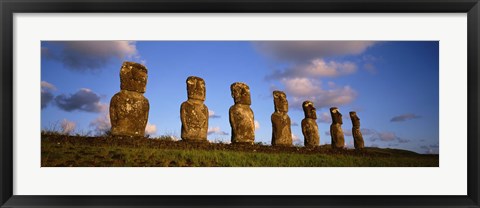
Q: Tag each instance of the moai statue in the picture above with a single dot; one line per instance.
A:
(357, 135)
(129, 108)
(309, 125)
(193, 113)
(336, 132)
(241, 115)
(281, 132)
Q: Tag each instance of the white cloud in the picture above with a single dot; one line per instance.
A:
(119, 49)
(82, 100)
(301, 86)
(349, 144)
(296, 140)
(319, 67)
(431, 149)
(47, 86)
(46, 93)
(91, 55)
(374, 135)
(316, 68)
(67, 126)
(211, 114)
(368, 132)
(383, 136)
(150, 129)
(257, 125)
(300, 51)
(306, 62)
(216, 130)
(324, 118)
(387, 136)
(295, 137)
(300, 89)
(101, 124)
(404, 117)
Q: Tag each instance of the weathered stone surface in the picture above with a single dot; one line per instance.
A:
(241, 115)
(193, 113)
(309, 125)
(336, 132)
(281, 131)
(357, 135)
(133, 77)
(129, 108)
(129, 113)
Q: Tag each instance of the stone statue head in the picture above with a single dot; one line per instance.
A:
(133, 77)
(240, 93)
(336, 115)
(280, 101)
(355, 118)
(309, 110)
(196, 88)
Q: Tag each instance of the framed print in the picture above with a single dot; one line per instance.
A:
(245, 104)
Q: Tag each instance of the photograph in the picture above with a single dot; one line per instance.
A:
(227, 103)
(281, 103)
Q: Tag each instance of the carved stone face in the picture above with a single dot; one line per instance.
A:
(336, 115)
(309, 110)
(355, 118)
(353, 115)
(280, 101)
(196, 88)
(133, 77)
(240, 93)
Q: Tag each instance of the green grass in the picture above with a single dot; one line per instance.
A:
(64, 151)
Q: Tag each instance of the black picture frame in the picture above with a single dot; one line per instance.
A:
(9, 7)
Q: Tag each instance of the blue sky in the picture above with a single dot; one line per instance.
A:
(392, 85)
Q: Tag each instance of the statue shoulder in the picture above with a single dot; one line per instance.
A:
(117, 95)
(184, 103)
(232, 108)
(304, 121)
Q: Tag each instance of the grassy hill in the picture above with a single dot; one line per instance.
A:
(77, 151)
